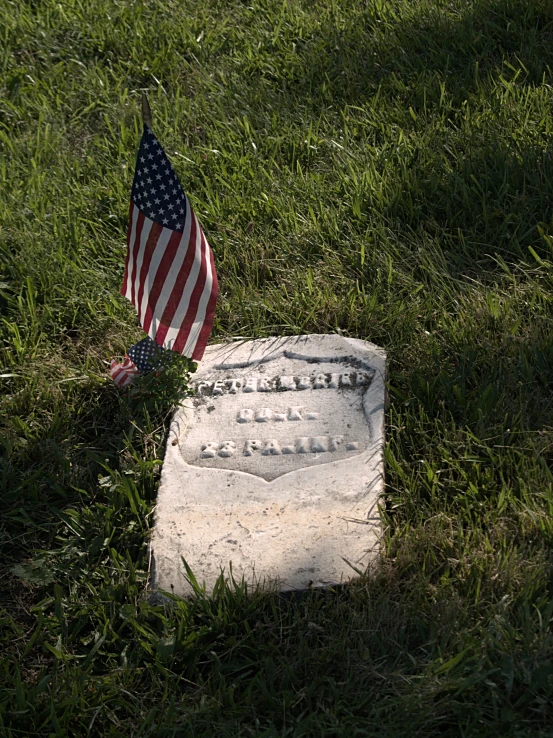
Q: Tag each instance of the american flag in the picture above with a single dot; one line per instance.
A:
(169, 274)
(140, 359)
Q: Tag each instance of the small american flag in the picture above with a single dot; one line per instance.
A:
(169, 273)
(140, 359)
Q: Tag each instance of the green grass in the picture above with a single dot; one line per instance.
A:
(382, 168)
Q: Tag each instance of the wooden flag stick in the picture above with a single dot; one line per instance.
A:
(146, 112)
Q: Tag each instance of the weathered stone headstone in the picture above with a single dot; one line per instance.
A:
(274, 464)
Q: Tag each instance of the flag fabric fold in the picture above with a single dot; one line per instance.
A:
(122, 373)
(170, 274)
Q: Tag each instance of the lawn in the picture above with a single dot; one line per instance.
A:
(378, 168)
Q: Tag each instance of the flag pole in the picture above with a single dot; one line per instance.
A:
(146, 112)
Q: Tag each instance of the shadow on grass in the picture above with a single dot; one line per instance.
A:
(459, 87)
(100, 441)
(410, 57)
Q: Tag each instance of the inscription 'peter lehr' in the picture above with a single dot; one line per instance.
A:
(330, 380)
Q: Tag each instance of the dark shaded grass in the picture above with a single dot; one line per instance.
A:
(382, 169)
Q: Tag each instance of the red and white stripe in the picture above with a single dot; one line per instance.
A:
(171, 281)
(123, 374)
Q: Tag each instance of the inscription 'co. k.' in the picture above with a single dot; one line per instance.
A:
(267, 414)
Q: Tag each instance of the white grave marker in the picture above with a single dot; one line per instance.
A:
(274, 464)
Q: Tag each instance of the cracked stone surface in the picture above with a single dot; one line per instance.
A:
(274, 466)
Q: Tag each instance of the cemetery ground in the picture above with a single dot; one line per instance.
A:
(382, 169)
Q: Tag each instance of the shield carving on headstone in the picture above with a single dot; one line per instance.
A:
(279, 414)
